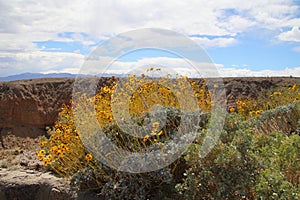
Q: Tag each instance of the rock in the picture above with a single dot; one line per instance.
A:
(27, 107)
(20, 185)
(29, 171)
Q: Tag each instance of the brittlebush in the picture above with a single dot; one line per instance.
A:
(64, 152)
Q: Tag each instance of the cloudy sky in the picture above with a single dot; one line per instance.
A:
(242, 38)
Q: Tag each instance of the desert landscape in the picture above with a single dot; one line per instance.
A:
(30, 108)
(149, 100)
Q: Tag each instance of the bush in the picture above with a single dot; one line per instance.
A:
(245, 164)
(228, 171)
(257, 156)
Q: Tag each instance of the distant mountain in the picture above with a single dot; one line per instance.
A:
(26, 76)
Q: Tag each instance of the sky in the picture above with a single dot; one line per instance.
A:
(242, 38)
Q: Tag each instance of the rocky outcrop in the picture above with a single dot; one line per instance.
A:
(252, 87)
(27, 107)
(20, 184)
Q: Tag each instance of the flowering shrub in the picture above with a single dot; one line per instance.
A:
(246, 163)
(64, 152)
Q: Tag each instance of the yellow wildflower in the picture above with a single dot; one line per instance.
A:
(88, 157)
(155, 126)
(232, 109)
(146, 138)
(153, 133)
(53, 149)
(294, 87)
(160, 133)
(43, 143)
(42, 151)
(258, 112)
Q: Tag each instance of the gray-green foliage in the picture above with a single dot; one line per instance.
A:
(279, 162)
(228, 171)
(282, 118)
(247, 163)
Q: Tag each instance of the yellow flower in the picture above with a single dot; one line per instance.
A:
(59, 153)
(155, 126)
(77, 137)
(106, 89)
(275, 93)
(43, 143)
(53, 149)
(42, 151)
(239, 102)
(160, 133)
(50, 158)
(45, 160)
(62, 146)
(232, 109)
(146, 138)
(258, 112)
(40, 156)
(294, 87)
(88, 157)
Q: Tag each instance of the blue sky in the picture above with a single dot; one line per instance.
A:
(248, 38)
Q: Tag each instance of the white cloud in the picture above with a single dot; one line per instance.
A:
(65, 70)
(100, 18)
(15, 63)
(292, 35)
(24, 22)
(244, 72)
(182, 67)
(171, 66)
(216, 42)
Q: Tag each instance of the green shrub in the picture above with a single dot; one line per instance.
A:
(228, 171)
(244, 164)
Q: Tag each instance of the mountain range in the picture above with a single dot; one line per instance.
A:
(26, 76)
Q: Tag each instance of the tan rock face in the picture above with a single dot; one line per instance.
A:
(27, 107)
